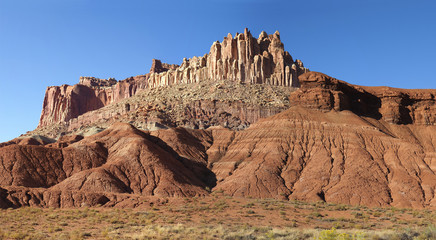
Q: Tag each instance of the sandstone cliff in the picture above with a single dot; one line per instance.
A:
(193, 105)
(396, 106)
(63, 103)
(242, 58)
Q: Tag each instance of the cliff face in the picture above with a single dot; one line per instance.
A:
(67, 102)
(395, 106)
(194, 105)
(63, 103)
(242, 58)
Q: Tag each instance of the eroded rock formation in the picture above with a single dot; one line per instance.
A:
(195, 105)
(242, 58)
(325, 141)
(336, 157)
(393, 105)
(121, 159)
(63, 103)
(157, 66)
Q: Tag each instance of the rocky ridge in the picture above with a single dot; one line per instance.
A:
(243, 59)
(393, 105)
(192, 105)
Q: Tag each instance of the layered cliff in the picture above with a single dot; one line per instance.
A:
(393, 105)
(63, 103)
(192, 105)
(243, 59)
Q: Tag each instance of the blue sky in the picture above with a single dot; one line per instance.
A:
(51, 42)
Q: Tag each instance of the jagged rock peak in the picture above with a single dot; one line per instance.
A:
(262, 35)
(240, 58)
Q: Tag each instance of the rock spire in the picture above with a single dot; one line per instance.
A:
(242, 58)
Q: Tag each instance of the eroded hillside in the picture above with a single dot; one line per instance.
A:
(305, 152)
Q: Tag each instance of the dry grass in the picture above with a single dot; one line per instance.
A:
(220, 217)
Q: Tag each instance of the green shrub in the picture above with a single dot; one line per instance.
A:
(332, 234)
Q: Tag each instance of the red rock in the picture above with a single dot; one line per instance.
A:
(64, 103)
(242, 58)
(398, 106)
(121, 159)
(67, 102)
(331, 156)
(301, 153)
(338, 142)
(64, 141)
(157, 66)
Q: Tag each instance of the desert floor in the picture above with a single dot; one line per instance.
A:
(219, 217)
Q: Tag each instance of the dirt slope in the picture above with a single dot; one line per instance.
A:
(335, 157)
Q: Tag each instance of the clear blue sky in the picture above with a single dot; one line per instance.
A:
(53, 42)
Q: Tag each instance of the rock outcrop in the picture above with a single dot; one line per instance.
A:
(393, 105)
(242, 58)
(195, 105)
(120, 159)
(157, 66)
(63, 103)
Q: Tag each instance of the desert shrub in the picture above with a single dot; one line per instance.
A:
(340, 208)
(18, 236)
(427, 234)
(332, 234)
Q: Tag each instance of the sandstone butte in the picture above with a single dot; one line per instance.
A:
(334, 142)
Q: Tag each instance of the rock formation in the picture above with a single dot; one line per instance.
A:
(302, 153)
(234, 123)
(118, 160)
(337, 157)
(242, 58)
(157, 66)
(396, 106)
(63, 103)
(195, 105)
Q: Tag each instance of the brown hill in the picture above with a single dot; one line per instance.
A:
(335, 157)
